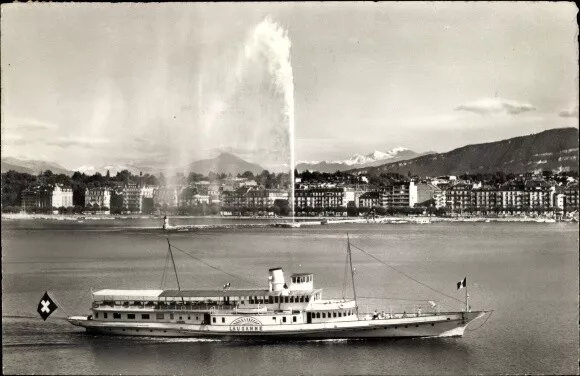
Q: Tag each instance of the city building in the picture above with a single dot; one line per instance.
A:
(98, 198)
(322, 198)
(131, 198)
(459, 197)
(369, 200)
(48, 198)
(399, 195)
(571, 197)
(428, 193)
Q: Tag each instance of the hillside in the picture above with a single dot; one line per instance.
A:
(32, 166)
(554, 149)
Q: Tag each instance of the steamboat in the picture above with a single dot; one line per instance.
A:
(292, 309)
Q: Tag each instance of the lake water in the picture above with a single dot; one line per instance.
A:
(526, 272)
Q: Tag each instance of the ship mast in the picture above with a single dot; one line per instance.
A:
(174, 268)
(349, 253)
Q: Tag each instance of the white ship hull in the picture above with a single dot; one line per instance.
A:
(443, 325)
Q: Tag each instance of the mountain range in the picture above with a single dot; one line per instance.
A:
(360, 160)
(33, 167)
(225, 163)
(554, 149)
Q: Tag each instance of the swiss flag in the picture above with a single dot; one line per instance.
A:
(46, 306)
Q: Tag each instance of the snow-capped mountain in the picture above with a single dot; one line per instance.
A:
(360, 160)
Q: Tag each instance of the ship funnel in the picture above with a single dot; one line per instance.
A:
(277, 279)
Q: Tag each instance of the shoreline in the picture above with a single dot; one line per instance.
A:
(301, 220)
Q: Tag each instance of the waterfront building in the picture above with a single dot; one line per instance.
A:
(237, 198)
(147, 191)
(131, 198)
(559, 200)
(398, 195)
(459, 197)
(47, 198)
(98, 198)
(322, 198)
(265, 198)
(539, 195)
(571, 197)
(369, 200)
(61, 197)
(253, 197)
(30, 199)
(428, 192)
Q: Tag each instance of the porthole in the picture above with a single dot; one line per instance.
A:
(448, 319)
(416, 326)
(406, 326)
(432, 324)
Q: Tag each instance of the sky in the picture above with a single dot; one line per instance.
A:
(168, 84)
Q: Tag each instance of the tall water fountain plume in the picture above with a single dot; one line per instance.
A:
(270, 42)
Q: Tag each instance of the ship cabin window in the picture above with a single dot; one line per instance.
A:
(334, 314)
(223, 320)
(251, 300)
(189, 317)
(270, 299)
(317, 315)
(291, 299)
(323, 315)
(283, 319)
(274, 318)
(171, 316)
(180, 317)
(293, 318)
(145, 316)
(301, 298)
(116, 315)
(286, 299)
(339, 314)
(131, 316)
(97, 315)
(105, 315)
(160, 316)
(213, 320)
(276, 300)
(307, 299)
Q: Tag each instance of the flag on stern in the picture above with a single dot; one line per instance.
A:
(46, 306)
(462, 284)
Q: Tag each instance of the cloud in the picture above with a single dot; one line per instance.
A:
(29, 125)
(570, 112)
(89, 143)
(488, 106)
(11, 139)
